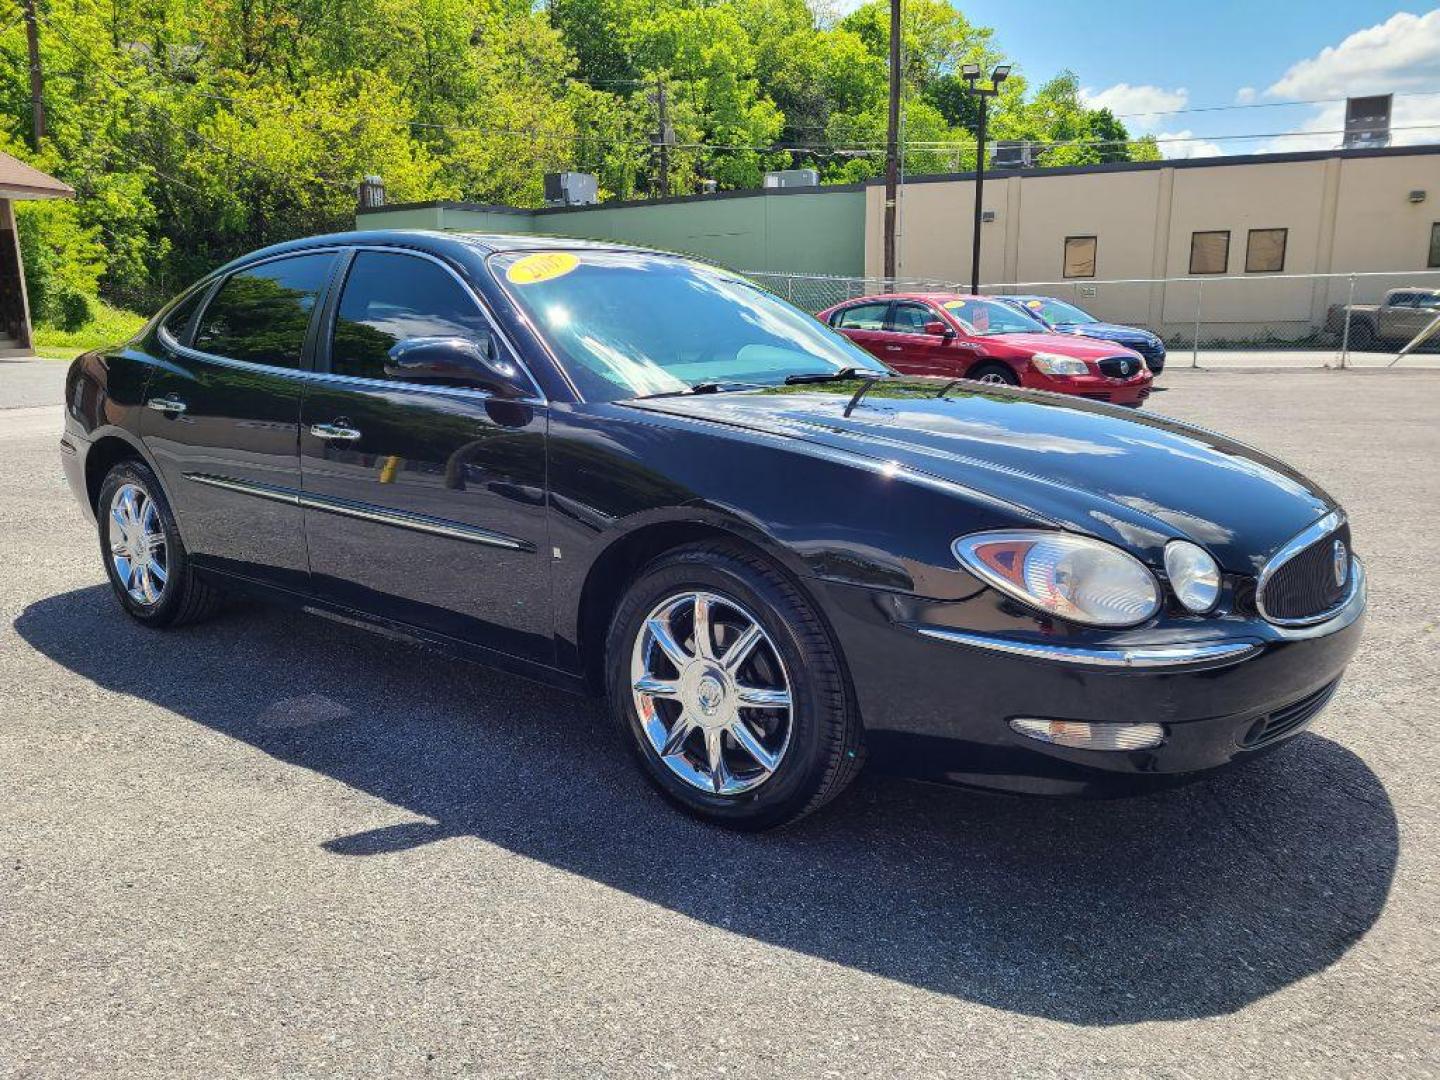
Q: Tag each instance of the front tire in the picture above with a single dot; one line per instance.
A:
(993, 374)
(726, 686)
(144, 557)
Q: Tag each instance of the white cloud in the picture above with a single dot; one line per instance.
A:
(1245, 95)
(1399, 55)
(1138, 105)
(1189, 147)
(1402, 53)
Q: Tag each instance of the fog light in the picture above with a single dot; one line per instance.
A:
(1087, 736)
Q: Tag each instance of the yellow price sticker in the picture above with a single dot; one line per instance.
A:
(543, 266)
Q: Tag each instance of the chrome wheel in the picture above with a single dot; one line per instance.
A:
(137, 544)
(712, 693)
(994, 378)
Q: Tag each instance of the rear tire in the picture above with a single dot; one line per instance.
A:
(143, 555)
(994, 374)
(776, 763)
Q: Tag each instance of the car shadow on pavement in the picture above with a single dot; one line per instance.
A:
(1191, 903)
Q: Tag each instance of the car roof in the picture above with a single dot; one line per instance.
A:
(458, 246)
(937, 297)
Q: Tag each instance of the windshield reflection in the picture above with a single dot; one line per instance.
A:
(635, 324)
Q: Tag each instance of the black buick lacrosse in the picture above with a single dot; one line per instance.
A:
(630, 474)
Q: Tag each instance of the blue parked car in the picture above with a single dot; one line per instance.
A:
(1066, 318)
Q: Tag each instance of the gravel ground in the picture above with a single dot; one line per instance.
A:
(274, 846)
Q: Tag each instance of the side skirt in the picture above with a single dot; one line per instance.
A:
(375, 624)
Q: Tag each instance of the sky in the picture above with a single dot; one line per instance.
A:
(1150, 58)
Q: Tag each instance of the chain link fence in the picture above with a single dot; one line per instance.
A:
(1254, 320)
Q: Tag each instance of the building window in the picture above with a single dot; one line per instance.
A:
(1265, 251)
(1209, 252)
(1079, 256)
(1434, 260)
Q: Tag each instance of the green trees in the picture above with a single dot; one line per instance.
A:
(193, 130)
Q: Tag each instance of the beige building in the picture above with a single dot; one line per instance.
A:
(1228, 233)
(18, 181)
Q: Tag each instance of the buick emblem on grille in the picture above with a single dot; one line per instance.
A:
(1342, 562)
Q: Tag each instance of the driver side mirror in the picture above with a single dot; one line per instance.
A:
(473, 362)
(939, 329)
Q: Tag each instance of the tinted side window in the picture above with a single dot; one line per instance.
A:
(911, 318)
(391, 298)
(177, 323)
(863, 317)
(260, 315)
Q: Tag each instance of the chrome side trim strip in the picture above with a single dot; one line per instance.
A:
(403, 519)
(1135, 656)
(416, 522)
(261, 491)
(1328, 524)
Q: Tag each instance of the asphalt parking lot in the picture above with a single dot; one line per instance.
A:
(271, 845)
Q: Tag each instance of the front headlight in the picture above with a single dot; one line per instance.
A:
(1051, 364)
(1194, 575)
(1071, 577)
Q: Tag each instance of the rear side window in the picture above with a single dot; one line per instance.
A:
(862, 317)
(391, 298)
(260, 315)
(177, 323)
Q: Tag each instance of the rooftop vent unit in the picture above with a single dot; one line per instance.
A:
(1013, 154)
(372, 193)
(793, 178)
(571, 189)
(1367, 122)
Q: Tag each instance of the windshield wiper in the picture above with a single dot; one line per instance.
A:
(838, 375)
(713, 386)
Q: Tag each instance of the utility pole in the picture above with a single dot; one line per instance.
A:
(37, 76)
(664, 139)
(892, 141)
(971, 73)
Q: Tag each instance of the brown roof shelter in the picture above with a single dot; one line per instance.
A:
(18, 181)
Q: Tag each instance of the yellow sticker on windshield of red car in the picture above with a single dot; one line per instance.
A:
(542, 266)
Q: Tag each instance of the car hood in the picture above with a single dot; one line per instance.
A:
(1107, 331)
(1061, 344)
(1137, 480)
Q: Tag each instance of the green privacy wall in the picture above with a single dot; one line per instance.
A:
(816, 232)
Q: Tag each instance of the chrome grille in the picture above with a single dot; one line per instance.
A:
(1300, 584)
(1118, 367)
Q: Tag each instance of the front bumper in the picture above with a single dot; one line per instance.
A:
(937, 700)
(1132, 391)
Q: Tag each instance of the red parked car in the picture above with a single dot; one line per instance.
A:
(976, 337)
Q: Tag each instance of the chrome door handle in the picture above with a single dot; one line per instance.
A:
(894, 348)
(166, 404)
(334, 431)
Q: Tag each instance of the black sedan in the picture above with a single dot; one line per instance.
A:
(630, 474)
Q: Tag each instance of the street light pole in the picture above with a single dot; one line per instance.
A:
(971, 74)
(979, 200)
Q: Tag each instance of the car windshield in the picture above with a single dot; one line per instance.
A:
(632, 324)
(988, 318)
(1057, 312)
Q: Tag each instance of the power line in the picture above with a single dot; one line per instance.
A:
(1253, 105)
